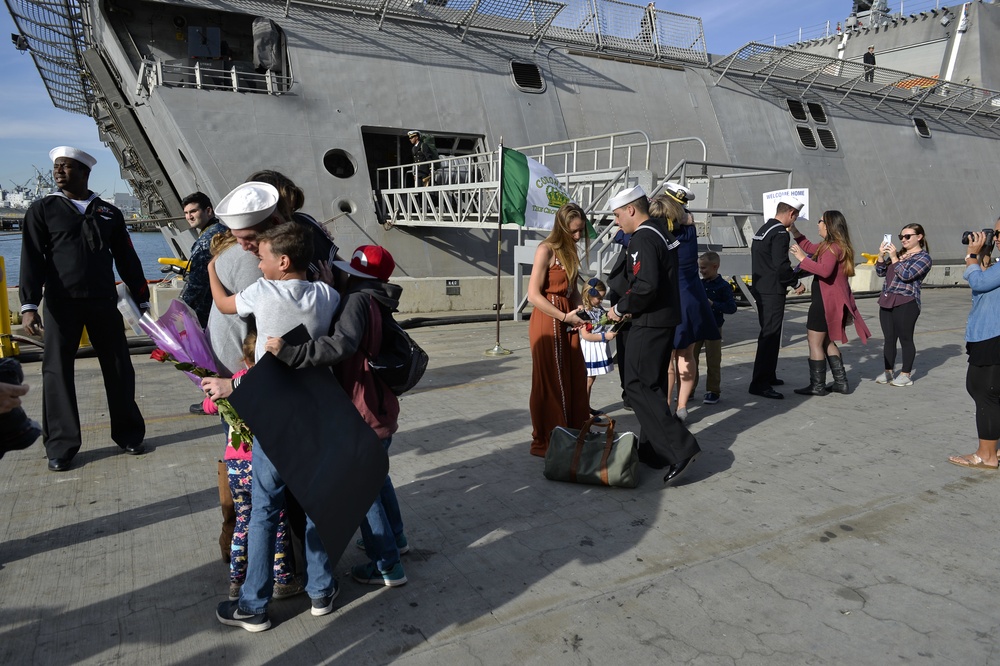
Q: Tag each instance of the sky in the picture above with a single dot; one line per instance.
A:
(30, 125)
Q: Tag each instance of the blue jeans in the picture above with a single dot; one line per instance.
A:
(383, 524)
(268, 501)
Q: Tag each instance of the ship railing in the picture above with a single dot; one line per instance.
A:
(452, 194)
(53, 32)
(763, 64)
(604, 25)
(236, 76)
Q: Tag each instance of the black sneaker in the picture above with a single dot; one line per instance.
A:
(324, 605)
(229, 613)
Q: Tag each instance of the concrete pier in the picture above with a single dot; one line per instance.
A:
(821, 530)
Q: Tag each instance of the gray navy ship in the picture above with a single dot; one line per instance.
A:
(197, 95)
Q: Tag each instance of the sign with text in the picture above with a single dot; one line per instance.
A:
(771, 201)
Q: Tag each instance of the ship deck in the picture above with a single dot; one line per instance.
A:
(811, 530)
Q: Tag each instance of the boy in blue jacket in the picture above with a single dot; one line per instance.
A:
(720, 295)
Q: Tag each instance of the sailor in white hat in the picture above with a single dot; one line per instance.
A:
(83, 158)
(71, 244)
(772, 276)
(653, 303)
(248, 210)
(423, 151)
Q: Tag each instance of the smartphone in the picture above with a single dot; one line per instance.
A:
(582, 314)
(887, 238)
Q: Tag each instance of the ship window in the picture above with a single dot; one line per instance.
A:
(527, 76)
(797, 110)
(920, 125)
(826, 138)
(339, 163)
(806, 136)
(817, 112)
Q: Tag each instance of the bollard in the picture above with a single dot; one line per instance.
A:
(7, 345)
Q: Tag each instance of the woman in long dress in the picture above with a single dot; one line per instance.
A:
(558, 373)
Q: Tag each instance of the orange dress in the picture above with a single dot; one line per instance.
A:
(558, 372)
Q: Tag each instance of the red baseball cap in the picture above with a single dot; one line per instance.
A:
(369, 261)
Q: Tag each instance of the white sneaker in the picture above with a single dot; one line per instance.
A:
(884, 378)
(902, 380)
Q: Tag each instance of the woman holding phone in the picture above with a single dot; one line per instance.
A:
(558, 373)
(899, 303)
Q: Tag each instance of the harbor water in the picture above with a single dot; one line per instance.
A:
(149, 247)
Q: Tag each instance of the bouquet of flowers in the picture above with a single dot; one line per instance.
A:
(181, 341)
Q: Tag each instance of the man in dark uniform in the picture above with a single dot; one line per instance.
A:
(772, 276)
(423, 151)
(653, 301)
(69, 242)
(869, 59)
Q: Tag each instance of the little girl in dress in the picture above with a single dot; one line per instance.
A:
(594, 337)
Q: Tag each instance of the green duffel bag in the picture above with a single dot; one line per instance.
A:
(598, 458)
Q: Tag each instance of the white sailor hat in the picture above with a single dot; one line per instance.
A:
(413, 133)
(74, 154)
(794, 202)
(626, 197)
(247, 205)
(679, 193)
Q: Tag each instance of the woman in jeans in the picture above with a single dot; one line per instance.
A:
(982, 344)
(899, 303)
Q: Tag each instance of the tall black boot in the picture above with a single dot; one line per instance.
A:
(839, 384)
(817, 379)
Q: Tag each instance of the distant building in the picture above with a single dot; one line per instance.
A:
(127, 203)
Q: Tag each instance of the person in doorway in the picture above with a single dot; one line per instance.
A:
(71, 243)
(423, 152)
(772, 276)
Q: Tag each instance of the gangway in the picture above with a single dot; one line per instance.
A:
(463, 193)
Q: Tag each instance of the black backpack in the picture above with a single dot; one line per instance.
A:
(400, 362)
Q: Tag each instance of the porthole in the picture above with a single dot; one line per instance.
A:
(921, 128)
(817, 112)
(345, 206)
(806, 136)
(527, 77)
(797, 110)
(339, 163)
(826, 138)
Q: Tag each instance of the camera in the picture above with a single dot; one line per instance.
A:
(989, 237)
(17, 431)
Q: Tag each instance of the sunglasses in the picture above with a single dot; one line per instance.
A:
(906, 236)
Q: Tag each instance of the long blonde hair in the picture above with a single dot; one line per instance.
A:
(560, 239)
(666, 207)
(837, 234)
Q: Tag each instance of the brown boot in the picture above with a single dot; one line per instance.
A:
(228, 513)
